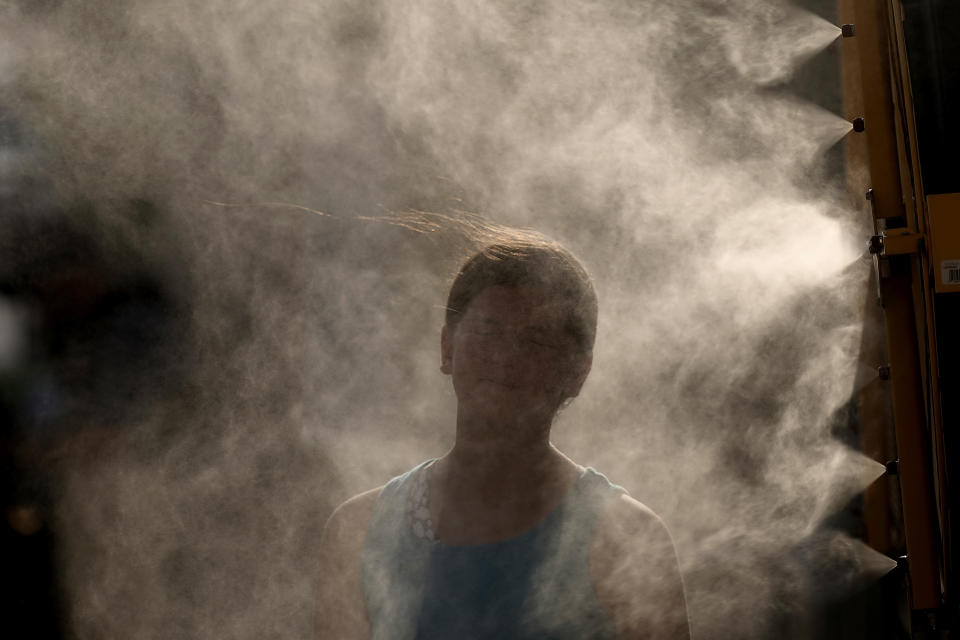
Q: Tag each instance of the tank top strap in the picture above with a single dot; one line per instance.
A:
(394, 561)
(588, 497)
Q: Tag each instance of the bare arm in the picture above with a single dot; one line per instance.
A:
(341, 612)
(636, 575)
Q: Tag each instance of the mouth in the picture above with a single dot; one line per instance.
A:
(500, 383)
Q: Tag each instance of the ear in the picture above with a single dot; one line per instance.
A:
(446, 351)
(578, 376)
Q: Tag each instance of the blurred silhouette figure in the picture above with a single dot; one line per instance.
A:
(86, 346)
(504, 536)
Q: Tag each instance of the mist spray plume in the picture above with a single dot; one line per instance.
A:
(653, 139)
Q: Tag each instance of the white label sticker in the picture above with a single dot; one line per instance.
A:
(950, 270)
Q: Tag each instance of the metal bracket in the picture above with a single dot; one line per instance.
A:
(895, 242)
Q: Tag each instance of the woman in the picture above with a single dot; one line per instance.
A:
(504, 536)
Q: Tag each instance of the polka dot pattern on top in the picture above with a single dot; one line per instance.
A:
(418, 506)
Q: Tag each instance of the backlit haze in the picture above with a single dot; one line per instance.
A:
(282, 149)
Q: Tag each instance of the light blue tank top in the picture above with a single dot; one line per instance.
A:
(534, 586)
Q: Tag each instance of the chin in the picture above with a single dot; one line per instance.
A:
(505, 410)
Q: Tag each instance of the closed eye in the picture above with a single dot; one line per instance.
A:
(485, 331)
(540, 338)
(542, 343)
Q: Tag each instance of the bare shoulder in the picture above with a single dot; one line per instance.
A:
(624, 518)
(636, 576)
(629, 532)
(350, 520)
(340, 606)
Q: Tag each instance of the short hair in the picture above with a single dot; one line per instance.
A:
(524, 261)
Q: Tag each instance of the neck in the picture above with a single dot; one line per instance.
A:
(513, 440)
(500, 455)
(479, 459)
(497, 481)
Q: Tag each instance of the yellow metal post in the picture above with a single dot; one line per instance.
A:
(894, 184)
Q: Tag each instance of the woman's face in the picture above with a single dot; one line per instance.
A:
(511, 356)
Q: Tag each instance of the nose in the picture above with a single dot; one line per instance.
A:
(505, 348)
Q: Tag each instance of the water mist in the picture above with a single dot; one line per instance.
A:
(661, 142)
